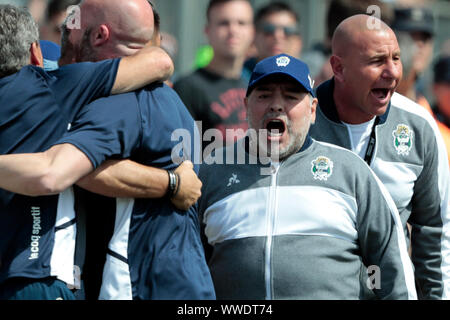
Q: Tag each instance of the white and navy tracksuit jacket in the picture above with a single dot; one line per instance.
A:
(305, 230)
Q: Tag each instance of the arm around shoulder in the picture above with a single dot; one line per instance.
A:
(150, 64)
(129, 179)
(43, 173)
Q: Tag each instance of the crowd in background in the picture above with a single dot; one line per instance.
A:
(277, 29)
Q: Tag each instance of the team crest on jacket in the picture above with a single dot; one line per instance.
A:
(322, 168)
(403, 137)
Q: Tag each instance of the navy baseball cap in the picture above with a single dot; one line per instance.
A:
(51, 53)
(282, 64)
(414, 19)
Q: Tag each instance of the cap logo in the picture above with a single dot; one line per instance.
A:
(283, 61)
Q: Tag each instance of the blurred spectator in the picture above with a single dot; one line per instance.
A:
(419, 23)
(445, 49)
(277, 31)
(409, 49)
(215, 94)
(37, 9)
(441, 90)
(55, 15)
(318, 57)
(170, 44)
(19, 3)
(164, 40)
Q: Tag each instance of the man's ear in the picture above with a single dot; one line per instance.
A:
(337, 66)
(313, 109)
(100, 36)
(36, 58)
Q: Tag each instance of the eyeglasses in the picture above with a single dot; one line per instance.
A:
(270, 29)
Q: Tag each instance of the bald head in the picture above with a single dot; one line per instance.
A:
(129, 21)
(109, 29)
(354, 30)
(366, 66)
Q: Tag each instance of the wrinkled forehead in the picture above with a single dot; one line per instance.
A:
(376, 39)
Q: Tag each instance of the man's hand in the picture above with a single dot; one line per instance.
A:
(189, 189)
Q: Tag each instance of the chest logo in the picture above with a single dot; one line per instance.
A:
(322, 168)
(403, 137)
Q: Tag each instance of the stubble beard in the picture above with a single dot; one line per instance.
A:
(273, 150)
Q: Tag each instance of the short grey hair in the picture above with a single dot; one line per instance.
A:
(18, 31)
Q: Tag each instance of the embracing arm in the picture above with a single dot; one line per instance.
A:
(49, 172)
(150, 64)
(128, 179)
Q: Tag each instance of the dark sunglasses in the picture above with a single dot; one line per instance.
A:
(269, 28)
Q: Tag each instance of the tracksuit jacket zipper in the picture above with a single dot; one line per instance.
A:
(271, 217)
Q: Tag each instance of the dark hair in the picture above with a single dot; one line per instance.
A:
(275, 7)
(156, 17)
(213, 3)
(339, 10)
(57, 6)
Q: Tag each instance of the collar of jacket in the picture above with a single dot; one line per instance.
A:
(324, 94)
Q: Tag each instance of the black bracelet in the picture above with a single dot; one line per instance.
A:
(173, 182)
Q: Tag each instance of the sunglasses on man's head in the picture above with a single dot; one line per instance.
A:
(269, 28)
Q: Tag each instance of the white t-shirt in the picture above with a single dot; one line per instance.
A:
(360, 136)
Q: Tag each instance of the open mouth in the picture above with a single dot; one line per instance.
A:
(380, 93)
(275, 127)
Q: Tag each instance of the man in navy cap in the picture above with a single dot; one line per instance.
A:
(419, 23)
(441, 89)
(291, 217)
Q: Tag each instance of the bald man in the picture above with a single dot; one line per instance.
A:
(155, 251)
(360, 110)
